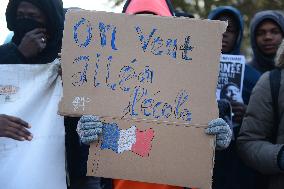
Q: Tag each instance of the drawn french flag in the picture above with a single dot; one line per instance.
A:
(119, 140)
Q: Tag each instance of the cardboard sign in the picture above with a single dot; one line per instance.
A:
(231, 76)
(154, 78)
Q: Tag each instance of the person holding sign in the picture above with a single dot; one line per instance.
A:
(32, 43)
(229, 170)
(231, 43)
(15, 128)
(89, 127)
(77, 154)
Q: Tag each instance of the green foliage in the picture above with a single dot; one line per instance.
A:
(201, 9)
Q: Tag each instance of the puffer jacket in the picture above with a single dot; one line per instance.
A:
(254, 144)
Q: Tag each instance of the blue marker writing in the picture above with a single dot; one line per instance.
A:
(172, 48)
(113, 85)
(186, 48)
(81, 77)
(144, 40)
(103, 34)
(88, 30)
(157, 44)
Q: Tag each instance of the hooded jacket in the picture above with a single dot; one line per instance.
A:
(158, 7)
(238, 17)
(53, 10)
(261, 62)
(77, 154)
(161, 8)
(229, 171)
(251, 75)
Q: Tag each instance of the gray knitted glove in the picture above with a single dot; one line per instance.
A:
(88, 128)
(222, 131)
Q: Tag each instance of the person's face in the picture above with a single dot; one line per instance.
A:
(231, 34)
(28, 10)
(232, 93)
(268, 37)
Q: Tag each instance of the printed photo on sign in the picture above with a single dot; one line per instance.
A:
(231, 76)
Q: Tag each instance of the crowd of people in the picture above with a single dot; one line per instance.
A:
(249, 144)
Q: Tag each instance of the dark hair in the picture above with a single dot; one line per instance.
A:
(231, 15)
(272, 21)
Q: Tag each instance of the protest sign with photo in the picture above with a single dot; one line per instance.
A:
(231, 76)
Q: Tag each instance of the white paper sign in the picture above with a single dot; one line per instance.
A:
(32, 93)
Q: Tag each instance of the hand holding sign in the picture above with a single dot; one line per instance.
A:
(89, 128)
(15, 128)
